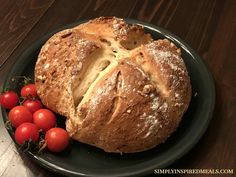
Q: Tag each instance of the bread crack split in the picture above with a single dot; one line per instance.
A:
(117, 97)
(119, 89)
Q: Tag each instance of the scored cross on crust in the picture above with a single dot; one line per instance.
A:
(119, 89)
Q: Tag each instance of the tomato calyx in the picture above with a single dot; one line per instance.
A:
(27, 145)
(36, 147)
(41, 146)
(8, 125)
(23, 80)
(28, 97)
(5, 90)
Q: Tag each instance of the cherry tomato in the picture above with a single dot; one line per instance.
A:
(33, 105)
(44, 119)
(57, 139)
(29, 90)
(26, 132)
(19, 115)
(8, 99)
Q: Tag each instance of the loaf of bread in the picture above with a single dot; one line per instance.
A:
(119, 89)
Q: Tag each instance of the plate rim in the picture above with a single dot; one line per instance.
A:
(146, 170)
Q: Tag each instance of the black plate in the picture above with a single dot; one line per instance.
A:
(84, 160)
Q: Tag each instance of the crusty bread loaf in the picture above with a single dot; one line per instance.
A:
(118, 88)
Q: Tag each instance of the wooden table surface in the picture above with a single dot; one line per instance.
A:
(206, 25)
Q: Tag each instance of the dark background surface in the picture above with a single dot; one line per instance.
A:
(206, 25)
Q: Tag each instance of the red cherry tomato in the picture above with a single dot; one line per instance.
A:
(57, 139)
(8, 99)
(29, 90)
(26, 132)
(33, 105)
(44, 119)
(19, 115)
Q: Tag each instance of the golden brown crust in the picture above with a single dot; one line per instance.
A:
(119, 90)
